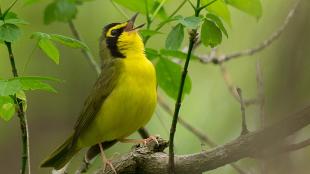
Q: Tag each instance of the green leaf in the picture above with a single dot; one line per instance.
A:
(161, 13)
(28, 2)
(169, 76)
(49, 49)
(10, 15)
(9, 32)
(40, 35)
(210, 35)
(9, 87)
(36, 83)
(191, 22)
(60, 10)
(146, 33)
(16, 21)
(220, 9)
(176, 54)
(139, 6)
(82, 1)
(218, 22)
(251, 7)
(7, 108)
(11, 18)
(15, 85)
(70, 42)
(175, 37)
(151, 54)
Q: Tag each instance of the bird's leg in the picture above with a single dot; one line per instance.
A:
(140, 141)
(105, 160)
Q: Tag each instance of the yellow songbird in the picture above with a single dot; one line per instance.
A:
(122, 100)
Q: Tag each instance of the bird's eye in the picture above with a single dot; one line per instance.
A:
(114, 32)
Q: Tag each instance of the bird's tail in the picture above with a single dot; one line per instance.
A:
(61, 156)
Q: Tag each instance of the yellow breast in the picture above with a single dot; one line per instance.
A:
(129, 106)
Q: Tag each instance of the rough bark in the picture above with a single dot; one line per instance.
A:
(152, 160)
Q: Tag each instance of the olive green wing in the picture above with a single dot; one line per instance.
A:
(101, 90)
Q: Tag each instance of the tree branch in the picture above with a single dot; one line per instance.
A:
(248, 52)
(163, 23)
(249, 145)
(192, 40)
(198, 133)
(232, 87)
(25, 157)
(244, 129)
(86, 54)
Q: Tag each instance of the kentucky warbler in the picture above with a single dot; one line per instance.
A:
(122, 100)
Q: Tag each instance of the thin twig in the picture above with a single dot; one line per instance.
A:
(198, 133)
(232, 87)
(8, 9)
(297, 146)
(261, 99)
(25, 157)
(208, 4)
(260, 95)
(192, 40)
(163, 23)
(229, 83)
(248, 52)
(202, 136)
(148, 18)
(157, 9)
(244, 125)
(119, 9)
(162, 122)
(86, 54)
(192, 5)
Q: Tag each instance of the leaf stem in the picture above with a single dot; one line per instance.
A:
(8, 10)
(148, 18)
(210, 3)
(119, 9)
(192, 40)
(25, 157)
(157, 9)
(163, 23)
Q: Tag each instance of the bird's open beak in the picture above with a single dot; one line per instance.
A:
(131, 23)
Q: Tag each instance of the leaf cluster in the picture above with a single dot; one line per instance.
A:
(211, 25)
(14, 89)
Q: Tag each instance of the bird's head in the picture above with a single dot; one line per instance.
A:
(122, 38)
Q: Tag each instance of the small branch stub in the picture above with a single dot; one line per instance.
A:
(244, 125)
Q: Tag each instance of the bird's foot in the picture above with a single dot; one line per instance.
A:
(105, 161)
(109, 163)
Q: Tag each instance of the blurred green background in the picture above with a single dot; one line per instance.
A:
(209, 107)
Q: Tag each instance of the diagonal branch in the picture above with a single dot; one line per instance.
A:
(89, 57)
(198, 133)
(25, 157)
(232, 88)
(249, 145)
(248, 52)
